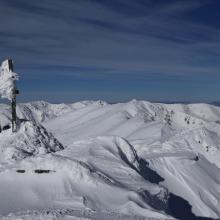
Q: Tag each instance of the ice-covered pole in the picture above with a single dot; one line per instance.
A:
(8, 88)
(13, 99)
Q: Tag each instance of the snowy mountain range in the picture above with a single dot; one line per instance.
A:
(94, 160)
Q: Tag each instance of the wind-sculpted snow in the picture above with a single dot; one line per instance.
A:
(62, 214)
(30, 139)
(104, 177)
(137, 159)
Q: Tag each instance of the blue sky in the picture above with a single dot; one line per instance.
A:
(113, 50)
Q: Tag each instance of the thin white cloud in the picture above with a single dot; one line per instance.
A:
(159, 39)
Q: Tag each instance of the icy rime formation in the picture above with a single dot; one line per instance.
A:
(31, 139)
(136, 159)
(6, 81)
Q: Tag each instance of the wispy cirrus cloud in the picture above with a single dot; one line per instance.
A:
(114, 37)
(100, 33)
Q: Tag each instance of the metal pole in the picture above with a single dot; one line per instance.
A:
(13, 100)
(13, 111)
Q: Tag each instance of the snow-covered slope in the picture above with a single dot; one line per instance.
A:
(41, 111)
(112, 182)
(127, 159)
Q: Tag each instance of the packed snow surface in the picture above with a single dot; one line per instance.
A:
(94, 160)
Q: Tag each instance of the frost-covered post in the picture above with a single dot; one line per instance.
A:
(13, 98)
(8, 88)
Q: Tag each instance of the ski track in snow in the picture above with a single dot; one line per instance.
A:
(120, 161)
